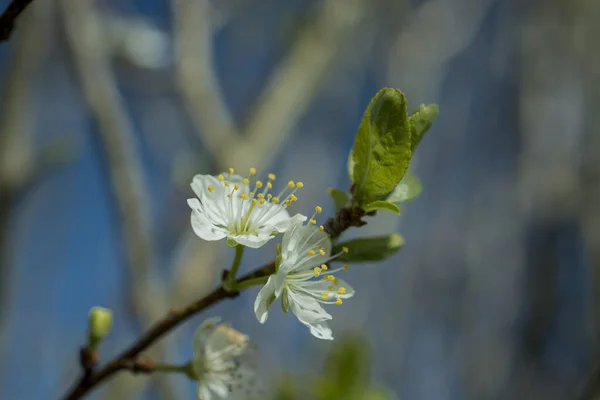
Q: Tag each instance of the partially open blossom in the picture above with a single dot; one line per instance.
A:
(303, 280)
(241, 208)
(221, 364)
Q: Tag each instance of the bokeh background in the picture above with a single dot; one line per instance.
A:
(108, 109)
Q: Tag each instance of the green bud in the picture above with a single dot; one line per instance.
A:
(100, 323)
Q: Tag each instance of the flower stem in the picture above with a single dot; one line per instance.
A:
(169, 368)
(250, 282)
(230, 282)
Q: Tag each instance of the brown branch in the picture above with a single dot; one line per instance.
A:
(127, 360)
(9, 16)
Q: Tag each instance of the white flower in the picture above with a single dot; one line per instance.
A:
(227, 206)
(303, 279)
(221, 365)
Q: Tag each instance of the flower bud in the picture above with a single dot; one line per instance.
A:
(100, 323)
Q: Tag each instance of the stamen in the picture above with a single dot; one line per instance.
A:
(275, 200)
(299, 185)
(288, 203)
(331, 288)
(338, 301)
(259, 184)
(293, 198)
(231, 171)
(321, 228)
(211, 188)
(312, 221)
(322, 252)
(252, 171)
(246, 181)
(244, 196)
(317, 272)
(291, 184)
(311, 253)
(341, 290)
(345, 267)
(220, 177)
(271, 176)
(269, 185)
(324, 295)
(345, 250)
(324, 267)
(318, 209)
(269, 196)
(236, 186)
(226, 183)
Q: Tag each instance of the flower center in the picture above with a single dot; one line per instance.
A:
(250, 205)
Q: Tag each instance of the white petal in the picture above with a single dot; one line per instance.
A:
(307, 309)
(203, 392)
(295, 250)
(200, 184)
(219, 388)
(213, 204)
(262, 299)
(203, 333)
(253, 241)
(225, 342)
(284, 225)
(204, 228)
(321, 331)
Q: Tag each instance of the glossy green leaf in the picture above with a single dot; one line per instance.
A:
(375, 248)
(382, 205)
(408, 189)
(420, 122)
(340, 199)
(382, 148)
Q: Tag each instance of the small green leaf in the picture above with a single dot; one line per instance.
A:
(339, 198)
(382, 205)
(408, 189)
(369, 249)
(420, 122)
(285, 301)
(382, 148)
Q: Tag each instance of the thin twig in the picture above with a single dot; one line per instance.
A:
(177, 316)
(9, 16)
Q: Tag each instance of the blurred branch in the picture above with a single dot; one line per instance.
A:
(125, 169)
(17, 167)
(10, 15)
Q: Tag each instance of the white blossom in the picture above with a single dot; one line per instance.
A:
(221, 364)
(303, 280)
(231, 206)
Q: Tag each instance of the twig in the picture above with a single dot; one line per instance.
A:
(9, 16)
(177, 316)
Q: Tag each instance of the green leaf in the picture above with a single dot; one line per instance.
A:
(408, 189)
(382, 205)
(340, 198)
(382, 148)
(375, 248)
(420, 122)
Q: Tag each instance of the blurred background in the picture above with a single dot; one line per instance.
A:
(109, 108)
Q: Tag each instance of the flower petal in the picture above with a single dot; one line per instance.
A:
(321, 331)
(246, 385)
(227, 342)
(218, 387)
(284, 225)
(317, 288)
(204, 228)
(203, 392)
(264, 297)
(297, 245)
(307, 309)
(253, 241)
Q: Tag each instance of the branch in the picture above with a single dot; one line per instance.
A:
(129, 358)
(9, 16)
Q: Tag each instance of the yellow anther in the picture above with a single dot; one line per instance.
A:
(271, 177)
(231, 171)
(335, 281)
(324, 267)
(330, 278)
(275, 200)
(259, 184)
(211, 188)
(341, 290)
(345, 250)
(331, 289)
(260, 196)
(324, 295)
(252, 171)
(321, 228)
(251, 194)
(220, 177)
(262, 201)
(317, 272)
(236, 186)
(338, 301)
(293, 198)
(318, 209)
(345, 266)
(299, 185)
(254, 201)
(229, 195)
(291, 184)
(244, 196)
(312, 221)
(288, 202)
(226, 183)
(322, 252)
(311, 253)
(269, 195)
(269, 185)
(246, 181)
